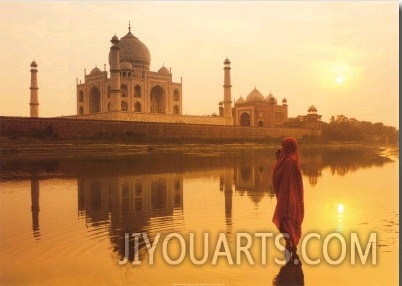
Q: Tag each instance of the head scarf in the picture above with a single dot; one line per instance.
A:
(290, 149)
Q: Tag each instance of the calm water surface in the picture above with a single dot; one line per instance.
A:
(64, 222)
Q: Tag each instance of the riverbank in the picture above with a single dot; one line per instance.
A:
(32, 149)
(41, 149)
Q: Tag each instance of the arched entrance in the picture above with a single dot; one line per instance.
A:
(158, 100)
(94, 100)
(245, 119)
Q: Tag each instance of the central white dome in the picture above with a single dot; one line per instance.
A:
(134, 51)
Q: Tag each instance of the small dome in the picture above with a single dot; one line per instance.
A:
(270, 98)
(240, 101)
(163, 70)
(226, 62)
(284, 100)
(33, 64)
(126, 66)
(255, 95)
(95, 70)
(312, 109)
(220, 103)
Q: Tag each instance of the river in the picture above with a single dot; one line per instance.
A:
(207, 214)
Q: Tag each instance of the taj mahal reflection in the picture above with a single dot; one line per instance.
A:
(145, 195)
(131, 204)
(130, 195)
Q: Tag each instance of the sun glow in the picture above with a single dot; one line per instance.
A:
(340, 79)
(335, 74)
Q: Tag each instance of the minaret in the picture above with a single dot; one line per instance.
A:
(34, 104)
(114, 62)
(227, 94)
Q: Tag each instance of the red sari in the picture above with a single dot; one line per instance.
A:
(288, 187)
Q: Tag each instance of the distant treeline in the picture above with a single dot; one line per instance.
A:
(344, 129)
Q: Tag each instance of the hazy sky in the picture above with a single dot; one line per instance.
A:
(341, 56)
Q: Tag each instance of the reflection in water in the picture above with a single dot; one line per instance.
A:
(145, 194)
(250, 167)
(35, 204)
(153, 203)
(226, 187)
(312, 165)
(253, 176)
(128, 196)
(136, 201)
(289, 275)
(131, 204)
(339, 225)
(340, 161)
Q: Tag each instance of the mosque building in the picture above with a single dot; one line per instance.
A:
(133, 92)
(260, 111)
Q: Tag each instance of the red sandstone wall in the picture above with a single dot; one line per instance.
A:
(76, 128)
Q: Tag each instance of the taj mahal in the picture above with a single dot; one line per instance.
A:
(132, 92)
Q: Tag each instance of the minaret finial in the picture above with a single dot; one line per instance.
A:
(129, 26)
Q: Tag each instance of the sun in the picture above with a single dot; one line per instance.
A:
(340, 79)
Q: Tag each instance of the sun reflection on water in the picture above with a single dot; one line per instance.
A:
(339, 226)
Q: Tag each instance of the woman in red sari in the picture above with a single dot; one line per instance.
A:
(288, 187)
